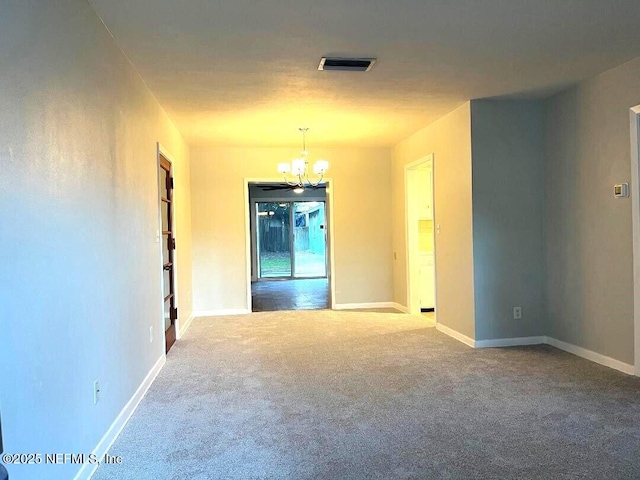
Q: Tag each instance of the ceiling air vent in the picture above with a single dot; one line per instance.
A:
(348, 64)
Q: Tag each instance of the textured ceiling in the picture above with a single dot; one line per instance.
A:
(244, 72)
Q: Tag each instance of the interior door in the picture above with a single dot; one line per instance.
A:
(168, 247)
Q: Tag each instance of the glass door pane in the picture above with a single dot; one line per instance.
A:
(309, 239)
(273, 222)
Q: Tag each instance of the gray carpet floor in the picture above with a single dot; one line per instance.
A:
(332, 395)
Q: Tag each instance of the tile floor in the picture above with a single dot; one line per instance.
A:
(298, 294)
(302, 294)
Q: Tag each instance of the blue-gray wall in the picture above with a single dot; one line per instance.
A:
(508, 168)
(588, 231)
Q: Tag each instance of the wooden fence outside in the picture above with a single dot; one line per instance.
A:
(275, 237)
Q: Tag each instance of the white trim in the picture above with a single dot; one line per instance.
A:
(400, 307)
(186, 326)
(355, 306)
(332, 256)
(591, 355)
(218, 313)
(87, 470)
(510, 342)
(285, 199)
(408, 217)
(634, 116)
(455, 334)
(411, 279)
(567, 347)
(435, 233)
(165, 153)
(247, 246)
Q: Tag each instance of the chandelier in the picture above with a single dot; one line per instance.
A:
(299, 168)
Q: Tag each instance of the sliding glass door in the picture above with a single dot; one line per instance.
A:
(309, 240)
(291, 240)
(274, 239)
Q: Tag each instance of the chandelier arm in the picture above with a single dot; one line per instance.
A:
(317, 183)
(291, 184)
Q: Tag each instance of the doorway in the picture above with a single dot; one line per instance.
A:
(420, 237)
(168, 245)
(289, 247)
(634, 115)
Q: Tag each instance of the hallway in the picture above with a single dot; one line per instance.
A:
(298, 294)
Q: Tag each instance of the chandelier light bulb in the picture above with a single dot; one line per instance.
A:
(298, 166)
(284, 167)
(320, 167)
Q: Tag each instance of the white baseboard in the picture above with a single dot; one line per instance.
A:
(510, 342)
(218, 313)
(457, 335)
(400, 307)
(355, 306)
(87, 470)
(183, 328)
(591, 355)
(519, 341)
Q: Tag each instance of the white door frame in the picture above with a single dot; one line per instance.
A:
(330, 250)
(410, 215)
(634, 115)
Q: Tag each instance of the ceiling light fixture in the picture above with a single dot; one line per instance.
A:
(299, 167)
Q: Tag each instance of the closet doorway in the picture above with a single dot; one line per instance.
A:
(420, 236)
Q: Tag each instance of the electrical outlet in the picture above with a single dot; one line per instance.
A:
(96, 392)
(517, 313)
(151, 334)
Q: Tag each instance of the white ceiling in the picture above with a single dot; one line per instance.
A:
(243, 72)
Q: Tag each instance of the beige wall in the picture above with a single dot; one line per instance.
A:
(79, 190)
(588, 231)
(362, 219)
(449, 139)
(182, 225)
